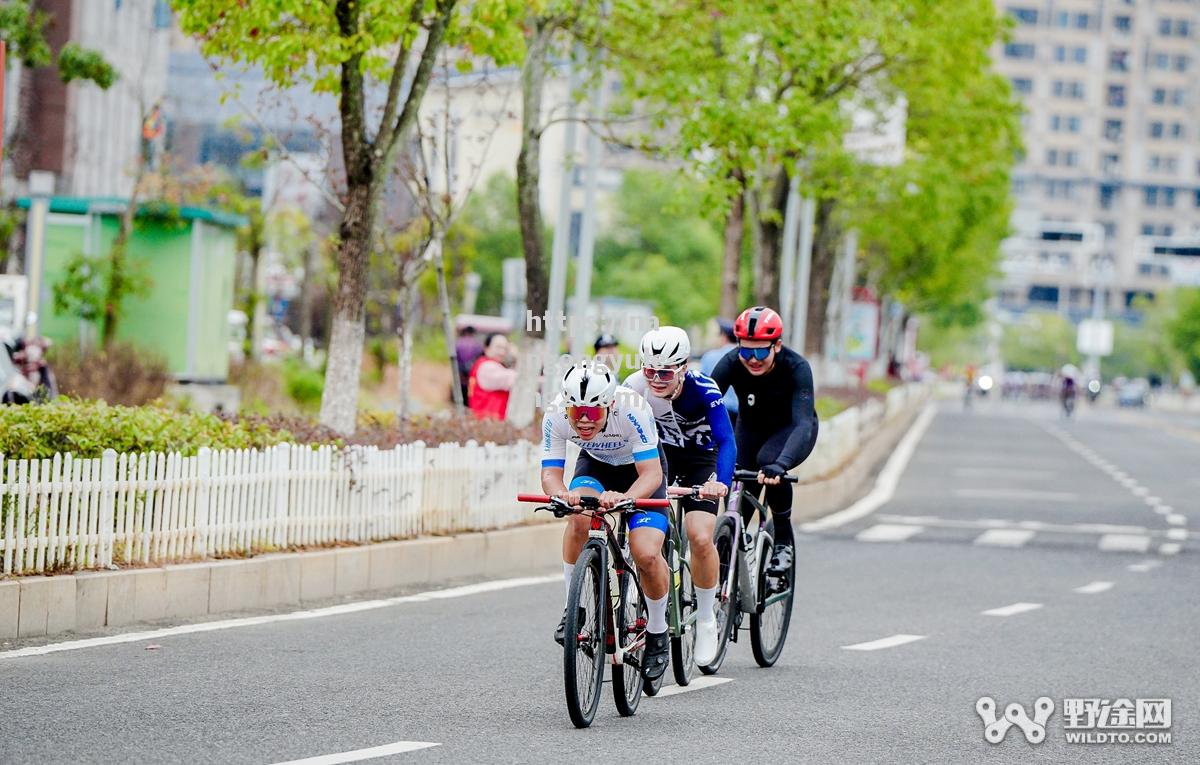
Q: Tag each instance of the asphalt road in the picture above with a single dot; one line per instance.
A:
(478, 674)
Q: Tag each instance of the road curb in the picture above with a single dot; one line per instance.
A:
(38, 606)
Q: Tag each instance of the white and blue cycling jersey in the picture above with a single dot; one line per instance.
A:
(695, 420)
(628, 436)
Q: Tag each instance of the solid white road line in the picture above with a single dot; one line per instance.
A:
(885, 485)
(1004, 537)
(253, 621)
(1094, 588)
(888, 532)
(1124, 543)
(1040, 496)
(697, 684)
(981, 472)
(887, 642)
(1176, 519)
(1144, 566)
(363, 754)
(1015, 608)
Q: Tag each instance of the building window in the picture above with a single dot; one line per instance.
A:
(1071, 158)
(1062, 19)
(1118, 60)
(1068, 89)
(1082, 21)
(1122, 23)
(1197, 193)
(1116, 95)
(1159, 96)
(1155, 130)
(1147, 229)
(1110, 230)
(1164, 27)
(1073, 124)
(1112, 131)
(1182, 28)
(1019, 50)
(1051, 156)
(1060, 53)
(1177, 130)
(1024, 15)
(1079, 55)
(1160, 61)
(1181, 63)
(1055, 123)
(1108, 196)
(1178, 97)
(1110, 164)
(1022, 85)
(1160, 196)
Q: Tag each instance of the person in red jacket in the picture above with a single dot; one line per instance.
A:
(490, 381)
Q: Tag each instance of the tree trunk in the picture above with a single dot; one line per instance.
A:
(772, 240)
(533, 81)
(306, 297)
(824, 259)
(408, 294)
(439, 262)
(118, 278)
(339, 401)
(735, 224)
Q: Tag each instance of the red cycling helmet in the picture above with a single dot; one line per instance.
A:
(758, 323)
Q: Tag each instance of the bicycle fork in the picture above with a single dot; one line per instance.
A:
(619, 651)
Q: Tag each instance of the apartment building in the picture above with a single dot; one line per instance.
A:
(1112, 145)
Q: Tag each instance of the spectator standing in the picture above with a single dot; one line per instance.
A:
(607, 352)
(468, 349)
(708, 362)
(490, 381)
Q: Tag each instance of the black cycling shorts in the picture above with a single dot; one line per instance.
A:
(616, 477)
(688, 468)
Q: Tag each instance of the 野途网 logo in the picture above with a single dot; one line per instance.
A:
(996, 728)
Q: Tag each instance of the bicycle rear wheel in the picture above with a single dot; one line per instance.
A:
(683, 644)
(631, 626)
(725, 539)
(583, 639)
(769, 625)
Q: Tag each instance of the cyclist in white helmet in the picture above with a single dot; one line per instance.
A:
(697, 440)
(619, 459)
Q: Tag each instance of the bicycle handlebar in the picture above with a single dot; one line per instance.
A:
(641, 504)
(752, 476)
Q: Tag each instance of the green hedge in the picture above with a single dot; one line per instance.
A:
(87, 428)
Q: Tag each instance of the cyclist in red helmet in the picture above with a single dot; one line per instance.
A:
(777, 422)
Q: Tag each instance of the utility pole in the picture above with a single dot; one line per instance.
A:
(556, 304)
(799, 318)
(587, 229)
(41, 188)
(787, 257)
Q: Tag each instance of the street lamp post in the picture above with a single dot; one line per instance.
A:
(41, 188)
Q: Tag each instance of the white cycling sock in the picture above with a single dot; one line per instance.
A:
(568, 572)
(706, 597)
(656, 611)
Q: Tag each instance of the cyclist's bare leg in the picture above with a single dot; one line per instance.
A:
(700, 527)
(646, 545)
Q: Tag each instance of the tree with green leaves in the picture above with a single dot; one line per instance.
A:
(1184, 328)
(347, 48)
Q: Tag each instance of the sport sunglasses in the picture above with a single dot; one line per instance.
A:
(593, 413)
(666, 375)
(758, 354)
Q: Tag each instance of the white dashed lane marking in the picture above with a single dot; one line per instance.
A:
(698, 684)
(1015, 608)
(358, 755)
(1144, 566)
(1018, 494)
(1175, 519)
(887, 642)
(1170, 548)
(1004, 537)
(1124, 543)
(888, 532)
(1094, 588)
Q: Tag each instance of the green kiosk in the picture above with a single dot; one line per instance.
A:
(187, 256)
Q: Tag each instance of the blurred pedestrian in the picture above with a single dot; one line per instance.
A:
(490, 381)
(708, 361)
(607, 353)
(468, 349)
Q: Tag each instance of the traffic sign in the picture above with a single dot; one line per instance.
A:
(1095, 337)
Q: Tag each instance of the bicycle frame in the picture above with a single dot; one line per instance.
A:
(676, 562)
(751, 545)
(616, 561)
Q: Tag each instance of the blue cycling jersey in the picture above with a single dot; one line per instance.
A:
(695, 420)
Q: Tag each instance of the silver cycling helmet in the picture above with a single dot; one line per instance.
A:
(665, 347)
(589, 384)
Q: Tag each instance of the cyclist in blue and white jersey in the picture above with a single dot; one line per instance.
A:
(698, 442)
(619, 459)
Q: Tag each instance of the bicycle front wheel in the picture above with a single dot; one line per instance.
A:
(683, 639)
(631, 627)
(725, 540)
(583, 639)
(769, 625)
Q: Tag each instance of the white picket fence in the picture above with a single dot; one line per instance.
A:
(67, 513)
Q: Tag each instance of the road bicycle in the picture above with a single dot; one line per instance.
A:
(744, 538)
(606, 610)
(681, 608)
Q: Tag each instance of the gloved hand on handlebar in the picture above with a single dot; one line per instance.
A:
(773, 473)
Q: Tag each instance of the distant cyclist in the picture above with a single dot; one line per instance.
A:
(1068, 393)
(777, 421)
(619, 459)
(697, 439)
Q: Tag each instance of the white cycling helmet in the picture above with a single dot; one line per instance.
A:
(665, 347)
(589, 384)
